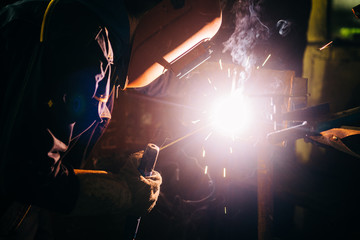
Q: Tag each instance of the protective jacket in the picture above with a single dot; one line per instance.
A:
(57, 88)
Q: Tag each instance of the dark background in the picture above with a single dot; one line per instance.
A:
(317, 200)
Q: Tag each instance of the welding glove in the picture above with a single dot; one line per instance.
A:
(124, 193)
(145, 190)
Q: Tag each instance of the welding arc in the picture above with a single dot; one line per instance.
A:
(183, 137)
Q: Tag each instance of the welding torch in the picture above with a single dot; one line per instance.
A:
(147, 165)
(149, 159)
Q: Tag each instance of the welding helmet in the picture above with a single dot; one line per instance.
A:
(172, 36)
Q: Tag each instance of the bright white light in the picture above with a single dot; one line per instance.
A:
(231, 115)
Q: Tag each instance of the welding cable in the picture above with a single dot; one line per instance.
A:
(211, 182)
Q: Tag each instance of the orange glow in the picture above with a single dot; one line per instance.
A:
(163, 36)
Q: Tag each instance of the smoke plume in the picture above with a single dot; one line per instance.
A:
(248, 30)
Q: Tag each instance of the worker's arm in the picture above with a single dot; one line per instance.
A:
(126, 192)
(39, 162)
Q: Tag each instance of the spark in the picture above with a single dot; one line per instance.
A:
(195, 121)
(229, 116)
(266, 59)
(208, 136)
(225, 210)
(247, 61)
(326, 45)
(210, 82)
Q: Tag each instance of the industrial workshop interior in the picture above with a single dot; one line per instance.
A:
(260, 141)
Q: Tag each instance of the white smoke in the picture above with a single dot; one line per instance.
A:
(248, 30)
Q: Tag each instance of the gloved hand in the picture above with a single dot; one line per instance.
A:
(127, 192)
(145, 190)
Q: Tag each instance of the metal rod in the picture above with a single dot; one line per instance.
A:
(137, 227)
(183, 137)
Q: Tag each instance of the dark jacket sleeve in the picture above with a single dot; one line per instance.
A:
(55, 111)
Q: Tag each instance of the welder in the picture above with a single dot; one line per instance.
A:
(61, 62)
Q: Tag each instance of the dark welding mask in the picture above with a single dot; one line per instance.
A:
(172, 37)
